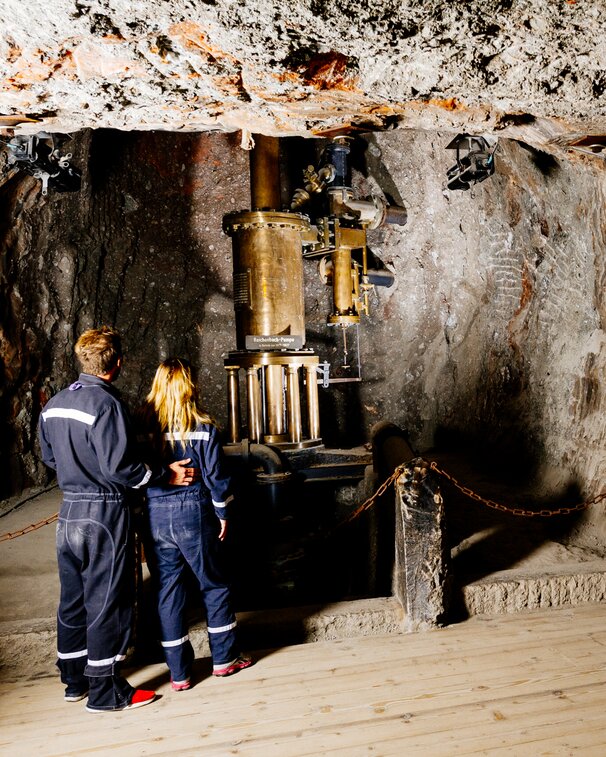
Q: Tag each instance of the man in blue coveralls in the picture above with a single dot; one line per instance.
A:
(85, 435)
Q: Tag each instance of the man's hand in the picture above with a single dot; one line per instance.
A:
(223, 531)
(180, 475)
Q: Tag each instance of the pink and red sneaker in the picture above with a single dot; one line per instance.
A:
(239, 663)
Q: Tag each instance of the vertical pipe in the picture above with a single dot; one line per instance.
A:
(265, 173)
(274, 387)
(313, 407)
(342, 284)
(233, 404)
(293, 403)
(253, 395)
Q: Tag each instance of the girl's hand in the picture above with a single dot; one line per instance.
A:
(223, 530)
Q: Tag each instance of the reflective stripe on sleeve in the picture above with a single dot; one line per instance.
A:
(221, 629)
(145, 478)
(203, 435)
(223, 504)
(175, 642)
(65, 412)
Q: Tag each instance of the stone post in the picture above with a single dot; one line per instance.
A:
(421, 575)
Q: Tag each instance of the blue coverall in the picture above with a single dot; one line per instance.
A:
(184, 529)
(85, 435)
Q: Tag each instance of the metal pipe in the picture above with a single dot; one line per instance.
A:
(274, 389)
(253, 403)
(390, 447)
(265, 173)
(274, 475)
(293, 403)
(380, 277)
(233, 404)
(269, 458)
(337, 154)
(313, 405)
(396, 214)
(342, 285)
(376, 212)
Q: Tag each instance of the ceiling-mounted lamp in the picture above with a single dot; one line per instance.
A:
(591, 144)
(475, 161)
(39, 156)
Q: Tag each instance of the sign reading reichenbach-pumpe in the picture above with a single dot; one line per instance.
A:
(274, 342)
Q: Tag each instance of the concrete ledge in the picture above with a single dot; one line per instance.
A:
(299, 625)
(28, 648)
(511, 591)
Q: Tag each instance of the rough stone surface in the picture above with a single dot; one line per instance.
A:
(421, 572)
(492, 334)
(28, 652)
(140, 247)
(556, 587)
(29, 648)
(526, 68)
(298, 625)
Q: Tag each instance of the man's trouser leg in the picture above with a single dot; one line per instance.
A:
(95, 536)
(72, 651)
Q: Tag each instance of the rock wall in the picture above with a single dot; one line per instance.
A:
(492, 335)
(140, 247)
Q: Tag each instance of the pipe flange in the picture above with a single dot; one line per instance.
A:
(264, 219)
(274, 478)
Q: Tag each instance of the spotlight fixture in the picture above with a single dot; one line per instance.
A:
(475, 161)
(39, 156)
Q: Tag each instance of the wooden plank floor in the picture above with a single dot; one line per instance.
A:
(528, 684)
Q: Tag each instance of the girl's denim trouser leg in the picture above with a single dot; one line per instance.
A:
(184, 531)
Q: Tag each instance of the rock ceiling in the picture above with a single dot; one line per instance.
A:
(527, 69)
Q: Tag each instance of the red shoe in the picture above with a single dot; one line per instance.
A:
(239, 663)
(181, 685)
(139, 699)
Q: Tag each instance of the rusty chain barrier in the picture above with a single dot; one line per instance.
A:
(520, 511)
(371, 500)
(28, 529)
(367, 504)
(517, 511)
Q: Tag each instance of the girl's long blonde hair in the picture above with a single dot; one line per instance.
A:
(173, 406)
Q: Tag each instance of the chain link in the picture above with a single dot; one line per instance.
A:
(519, 511)
(367, 504)
(28, 529)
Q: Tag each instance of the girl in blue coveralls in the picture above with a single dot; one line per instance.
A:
(188, 526)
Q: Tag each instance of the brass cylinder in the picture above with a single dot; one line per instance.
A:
(293, 403)
(254, 405)
(268, 274)
(342, 281)
(233, 404)
(274, 393)
(313, 405)
(265, 173)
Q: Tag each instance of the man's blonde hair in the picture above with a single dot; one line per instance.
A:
(98, 350)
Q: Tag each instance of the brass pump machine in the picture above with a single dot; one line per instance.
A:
(269, 246)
